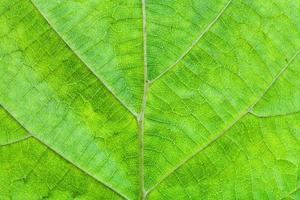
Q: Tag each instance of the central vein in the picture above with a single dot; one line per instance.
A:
(142, 194)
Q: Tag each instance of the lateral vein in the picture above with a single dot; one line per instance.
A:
(66, 159)
(277, 77)
(16, 141)
(224, 131)
(274, 115)
(84, 63)
(195, 42)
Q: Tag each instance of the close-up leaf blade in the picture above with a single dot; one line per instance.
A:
(149, 99)
(30, 170)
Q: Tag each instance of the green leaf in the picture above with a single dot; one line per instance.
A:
(149, 99)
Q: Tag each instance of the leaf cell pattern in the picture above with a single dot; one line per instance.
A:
(149, 99)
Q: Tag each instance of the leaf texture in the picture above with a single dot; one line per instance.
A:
(149, 99)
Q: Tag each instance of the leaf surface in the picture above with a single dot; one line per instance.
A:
(149, 99)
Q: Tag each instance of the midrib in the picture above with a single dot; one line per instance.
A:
(141, 117)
